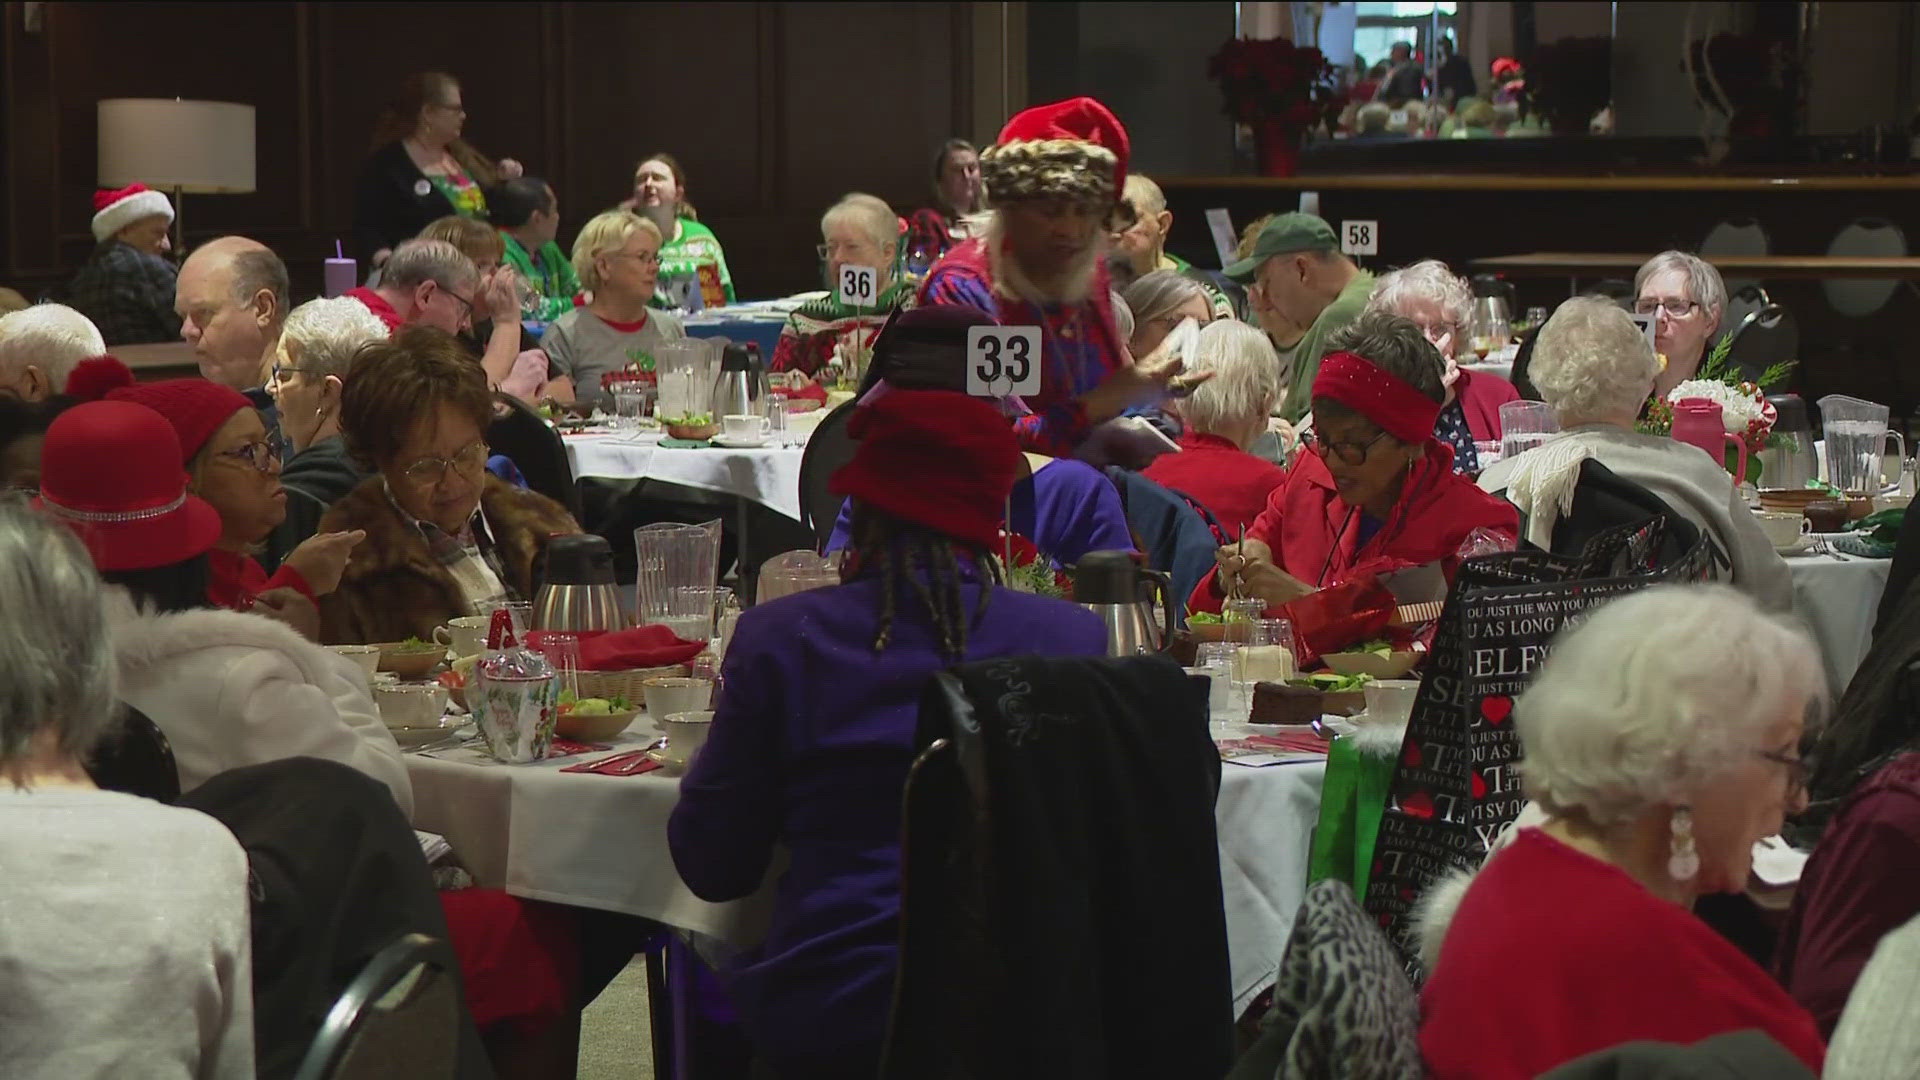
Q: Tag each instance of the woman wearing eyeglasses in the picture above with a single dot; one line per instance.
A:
(234, 465)
(859, 230)
(1377, 491)
(617, 258)
(444, 537)
(1686, 298)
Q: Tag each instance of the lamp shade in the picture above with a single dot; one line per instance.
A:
(201, 147)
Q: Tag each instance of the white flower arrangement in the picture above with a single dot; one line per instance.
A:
(1744, 410)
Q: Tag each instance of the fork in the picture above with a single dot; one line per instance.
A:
(1822, 547)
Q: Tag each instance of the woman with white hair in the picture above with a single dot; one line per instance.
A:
(1593, 366)
(1685, 295)
(617, 258)
(127, 949)
(1224, 416)
(1159, 301)
(1440, 303)
(316, 348)
(1661, 739)
(859, 230)
(40, 346)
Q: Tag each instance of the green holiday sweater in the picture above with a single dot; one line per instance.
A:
(553, 277)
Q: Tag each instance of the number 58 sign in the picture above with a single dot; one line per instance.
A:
(1003, 361)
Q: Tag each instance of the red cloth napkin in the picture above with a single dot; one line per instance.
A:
(621, 650)
(812, 391)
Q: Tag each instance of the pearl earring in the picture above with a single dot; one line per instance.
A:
(1683, 859)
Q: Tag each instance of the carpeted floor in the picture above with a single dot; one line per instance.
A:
(616, 1042)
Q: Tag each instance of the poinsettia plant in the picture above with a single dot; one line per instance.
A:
(1027, 570)
(1272, 79)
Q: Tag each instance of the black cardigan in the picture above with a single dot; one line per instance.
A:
(388, 203)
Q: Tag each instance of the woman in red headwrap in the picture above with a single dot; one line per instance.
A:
(1378, 492)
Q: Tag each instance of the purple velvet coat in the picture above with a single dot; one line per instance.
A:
(810, 748)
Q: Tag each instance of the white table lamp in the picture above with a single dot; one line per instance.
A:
(202, 147)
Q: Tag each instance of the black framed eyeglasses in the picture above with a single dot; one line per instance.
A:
(280, 371)
(1352, 453)
(1675, 309)
(260, 454)
(431, 470)
(1797, 769)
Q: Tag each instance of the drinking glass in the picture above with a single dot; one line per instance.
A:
(697, 611)
(1238, 614)
(1525, 425)
(1221, 659)
(777, 432)
(522, 614)
(629, 406)
(562, 650)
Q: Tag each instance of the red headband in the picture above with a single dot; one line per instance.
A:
(1389, 401)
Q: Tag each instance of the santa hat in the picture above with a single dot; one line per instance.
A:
(115, 210)
(1072, 149)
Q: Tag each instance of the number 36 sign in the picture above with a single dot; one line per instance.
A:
(857, 286)
(1003, 361)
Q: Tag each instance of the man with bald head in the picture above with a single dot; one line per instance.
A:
(232, 300)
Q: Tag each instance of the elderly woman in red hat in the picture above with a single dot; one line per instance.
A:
(813, 738)
(1053, 180)
(227, 688)
(1377, 493)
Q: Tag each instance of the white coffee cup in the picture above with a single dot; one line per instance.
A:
(410, 706)
(1390, 701)
(670, 694)
(686, 734)
(465, 635)
(745, 428)
(367, 656)
(1783, 529)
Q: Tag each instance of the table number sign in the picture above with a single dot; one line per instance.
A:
(1220, 227)
(1645, 323)
(1360, 237)
(1003, 361)
(858, 286)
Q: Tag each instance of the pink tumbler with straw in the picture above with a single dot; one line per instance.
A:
(341, 274)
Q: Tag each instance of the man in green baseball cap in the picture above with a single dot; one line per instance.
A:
(1297, 276)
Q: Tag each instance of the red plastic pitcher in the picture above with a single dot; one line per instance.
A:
(1697, 421)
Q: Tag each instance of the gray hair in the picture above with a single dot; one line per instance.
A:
(1395, 346)
(259, 269)
(57, 666)
(1656, 694)
(1591, 361)
(1704, 286)
(1427, 281)
(417, 261)
(1159, 293)
(322, 336)
(1144, 194)
(51, 337)
(1246, 377)
(871, 213)
(1122, 315)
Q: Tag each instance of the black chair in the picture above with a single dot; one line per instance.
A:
(1060, 889)
(136, 758)
(400, 1017)
(1764, 333)
(827, 449)
(1604, 500)
(536, 449)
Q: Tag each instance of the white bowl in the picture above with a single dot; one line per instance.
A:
(411, 706)
(367, 656)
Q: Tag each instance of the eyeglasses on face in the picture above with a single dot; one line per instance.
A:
(259, 453)
(644, 258)
(1351, 453)
(1797, 769)
(429, 471)
(828, 251)
(1674, 307)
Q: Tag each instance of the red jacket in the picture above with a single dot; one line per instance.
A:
(1232, 484)
(1315, 536)
(1480, 398)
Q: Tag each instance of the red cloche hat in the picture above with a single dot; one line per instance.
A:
(938, 459)
(111, 471)
(195, 407)
(1069, 149)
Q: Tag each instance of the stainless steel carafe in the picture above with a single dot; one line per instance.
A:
(741, 384)
(1111, 585)
(578, 593)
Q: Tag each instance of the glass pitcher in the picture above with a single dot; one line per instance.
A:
(674, 564)
(685, 370)
(1856, 438)
(796, 571)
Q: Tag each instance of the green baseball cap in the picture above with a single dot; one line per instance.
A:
(1284, 235)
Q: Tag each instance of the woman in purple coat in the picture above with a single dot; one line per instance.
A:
(813, 735)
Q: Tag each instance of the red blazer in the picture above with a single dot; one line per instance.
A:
(1315, 536)
(1480, 398)
(1232, 484)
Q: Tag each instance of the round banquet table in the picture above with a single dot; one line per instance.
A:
(769, 476)
(1838, 599)
(601, 842)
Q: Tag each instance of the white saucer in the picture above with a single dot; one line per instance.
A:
(1799, 544)
(744, 444)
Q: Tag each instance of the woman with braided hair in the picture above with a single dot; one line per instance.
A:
(813, 735)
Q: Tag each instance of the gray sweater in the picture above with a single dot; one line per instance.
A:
(1685, 479)
(1877, 1038)
(123, 935)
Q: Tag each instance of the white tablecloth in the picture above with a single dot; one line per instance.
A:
(1838, 600)
(601, 842)
(768, 476)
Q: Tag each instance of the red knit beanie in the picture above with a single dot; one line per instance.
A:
(195, 407)
(938, 459)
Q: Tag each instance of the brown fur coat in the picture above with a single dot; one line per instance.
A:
(394, 588)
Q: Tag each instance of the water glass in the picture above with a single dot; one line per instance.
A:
(629, 406)
(1238, 614)
(777, 432)
(1222, 660)
(1525, 425)
(697, 610)
(522, 614)
(562, 650)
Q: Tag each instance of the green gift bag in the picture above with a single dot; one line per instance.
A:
(1351, 803)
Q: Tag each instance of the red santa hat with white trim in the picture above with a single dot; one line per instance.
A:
(115, 210)
(1073, 149)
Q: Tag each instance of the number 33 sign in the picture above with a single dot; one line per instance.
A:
(857, 286)
(1003, 361)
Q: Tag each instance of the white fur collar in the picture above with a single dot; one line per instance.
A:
(143, 639)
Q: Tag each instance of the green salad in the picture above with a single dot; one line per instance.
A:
(1329, 683)
(414, 644)
(575, 705)
(1204, 618)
